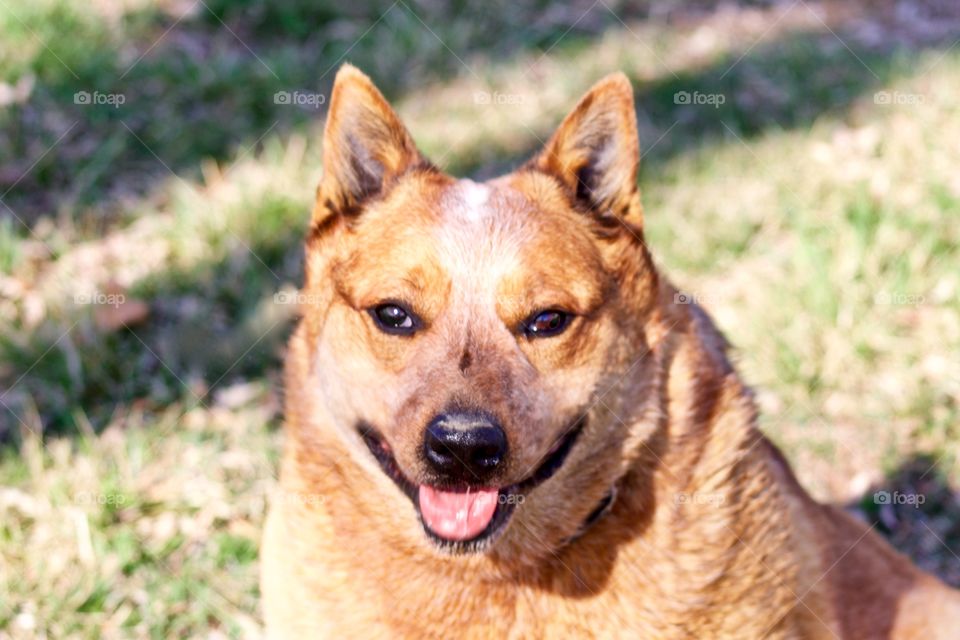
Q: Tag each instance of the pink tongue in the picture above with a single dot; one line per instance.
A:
(457, 516)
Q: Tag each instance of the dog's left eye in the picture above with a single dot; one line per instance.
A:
(544, 324)
(392, 318)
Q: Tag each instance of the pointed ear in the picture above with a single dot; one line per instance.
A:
(365, 145)
(594, 152)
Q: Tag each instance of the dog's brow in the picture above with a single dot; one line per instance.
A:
(414, 283)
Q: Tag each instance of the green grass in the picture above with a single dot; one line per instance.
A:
(820, 228)
(9, 247)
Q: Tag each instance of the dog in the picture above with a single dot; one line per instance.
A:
(502, 422)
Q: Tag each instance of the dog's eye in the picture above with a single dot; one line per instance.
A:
(544, 324)
(392, 318)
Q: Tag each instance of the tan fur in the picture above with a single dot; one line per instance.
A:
(709, 535)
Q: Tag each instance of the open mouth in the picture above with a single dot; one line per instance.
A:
(466, 519)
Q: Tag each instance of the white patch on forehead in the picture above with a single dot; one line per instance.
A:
(479, 238)
(473, 200)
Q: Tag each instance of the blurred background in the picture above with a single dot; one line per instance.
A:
(157, 164)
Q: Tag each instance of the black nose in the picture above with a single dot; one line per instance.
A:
(464, 447)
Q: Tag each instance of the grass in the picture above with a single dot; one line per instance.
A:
(817, 222)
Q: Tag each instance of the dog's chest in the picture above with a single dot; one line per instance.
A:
(637, 601)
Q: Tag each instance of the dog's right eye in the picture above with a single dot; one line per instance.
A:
(393, 319)
(545, 324)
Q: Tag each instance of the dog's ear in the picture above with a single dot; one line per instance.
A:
(595, 153)
(365, 146)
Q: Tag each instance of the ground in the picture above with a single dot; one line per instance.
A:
(157, 164)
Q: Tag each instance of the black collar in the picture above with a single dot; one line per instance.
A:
(603, 508)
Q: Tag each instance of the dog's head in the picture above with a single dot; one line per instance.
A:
(480, 341)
